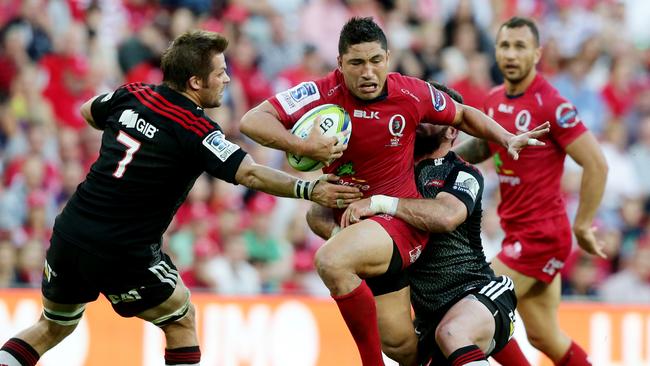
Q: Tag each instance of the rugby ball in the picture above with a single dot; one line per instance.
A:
(333, 120)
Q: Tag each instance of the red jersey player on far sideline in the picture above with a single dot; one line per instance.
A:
(385, 111)
(532, 211)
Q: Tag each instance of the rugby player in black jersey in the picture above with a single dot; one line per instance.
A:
(463, 312)
(156, 141)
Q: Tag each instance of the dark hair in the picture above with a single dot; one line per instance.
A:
(455, 95)
(518, 22)
(426, 144)
(360, 30)
(191, 55)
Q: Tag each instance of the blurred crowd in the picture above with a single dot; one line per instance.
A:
(55, 54)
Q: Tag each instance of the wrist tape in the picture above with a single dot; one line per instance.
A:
(302, 188)
(384, 204)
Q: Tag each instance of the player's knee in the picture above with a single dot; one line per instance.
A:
(181, 316)
(56, 331)
(402, 350)
(59, 324)
(328, 264)
(448, 336)
(190, 317)
(537, 339)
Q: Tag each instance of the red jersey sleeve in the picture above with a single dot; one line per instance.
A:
(435, 107)
(292, 103)
(566, 125)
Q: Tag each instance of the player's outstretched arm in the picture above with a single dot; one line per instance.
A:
(586, 152)
(478, 124)
(277, 183)
(263, 125)
(442, 214)
(473, 150)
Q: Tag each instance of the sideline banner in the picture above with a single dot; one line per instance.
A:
(292, 331)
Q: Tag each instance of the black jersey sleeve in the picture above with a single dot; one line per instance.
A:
(466, 184)
(218, 156)
(101, 107)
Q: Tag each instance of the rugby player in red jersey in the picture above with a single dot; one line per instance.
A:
(532, 211)
(385, 109)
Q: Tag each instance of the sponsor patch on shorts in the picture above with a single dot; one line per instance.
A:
(217, 143)
(467, 183)
(294, 99)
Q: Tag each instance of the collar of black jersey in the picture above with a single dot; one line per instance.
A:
(177, 98)
(449, 156)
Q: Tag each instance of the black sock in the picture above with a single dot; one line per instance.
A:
(465, 355)
(21, 351)
(183, 356)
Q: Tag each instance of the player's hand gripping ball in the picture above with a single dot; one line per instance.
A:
(334, 121)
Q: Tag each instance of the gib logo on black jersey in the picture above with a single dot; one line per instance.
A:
(130, 119)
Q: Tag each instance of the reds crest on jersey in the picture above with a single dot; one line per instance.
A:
(396, 128)
(522, 121)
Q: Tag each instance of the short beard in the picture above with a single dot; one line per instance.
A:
(519, 79)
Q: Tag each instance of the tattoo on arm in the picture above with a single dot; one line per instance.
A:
(473, 150)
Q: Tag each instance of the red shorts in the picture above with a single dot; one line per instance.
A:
(409, 241)
(537, 249)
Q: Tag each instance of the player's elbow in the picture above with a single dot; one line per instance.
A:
(444, 224)
(250, 180)
(313, 221)
(451, 225)
(87, 115)
(597, 167)
(602, 165)
(247, 123)
(247, 174)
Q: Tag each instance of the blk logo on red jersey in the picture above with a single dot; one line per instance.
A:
(366, 114)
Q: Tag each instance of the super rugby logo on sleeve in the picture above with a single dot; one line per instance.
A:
(438, 99)
(217, 143)
(566, 115)
(294, 99)
(467, 183)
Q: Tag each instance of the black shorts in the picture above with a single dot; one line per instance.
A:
(501, 304)
(75, 276)
(394, 279)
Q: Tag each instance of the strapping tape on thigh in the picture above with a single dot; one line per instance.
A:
(65, 318)
(177, 315)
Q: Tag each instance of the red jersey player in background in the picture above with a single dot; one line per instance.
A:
(538, 232)
(385, 110)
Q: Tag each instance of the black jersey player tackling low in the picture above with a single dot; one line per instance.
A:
(463, 311)
(156, 142)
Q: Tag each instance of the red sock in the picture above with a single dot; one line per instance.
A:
(183, 356)
(511, 355)
(360, 314)
(468, 355)
(21, 351)
(575, 356)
